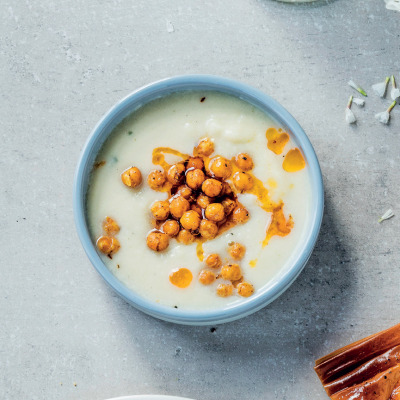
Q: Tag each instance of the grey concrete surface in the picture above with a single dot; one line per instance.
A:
(63, 333)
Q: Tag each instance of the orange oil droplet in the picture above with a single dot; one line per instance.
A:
(272, 183)
(181, 277)
(276, 140)
(200, 251)
(279, 226)
(253, 263)
(159, 157)
(294, 161)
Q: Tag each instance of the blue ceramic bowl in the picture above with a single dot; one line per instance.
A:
(202, 83)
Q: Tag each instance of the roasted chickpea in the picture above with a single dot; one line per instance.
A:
(240, 215)
(237, 251)
(108, 244)
(208, 229)
(245, 289)
(131, 177)
(242, 181)
(214, 261)
(185, 191)
(156, 179)
(226, 189)
(198, 209)
(244, 161)
(195, 178)
(157, 241)
(195, 162)
(228, 205)
(205, 147)
(171, 227)
(221, 167)
(231, 272)
(178, 206)
(206, 277)
(215, 212)
(211, 187)
(110, 226)
(185, 236)
(224, 290)
(160, 210)
(203, 201)
(176, 173)
(190, 220)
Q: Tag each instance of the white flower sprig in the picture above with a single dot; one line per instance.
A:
(380, 88)
(384, 117)
(349, 115)
(395, 93)
(388, 214)
(393, 5)
(359, 102)
(358, 88)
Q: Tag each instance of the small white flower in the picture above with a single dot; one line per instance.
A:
(393, 5)
(383, 117)
(356, 87)
(380, 88)
(350, 117)
(359, 102)
(395, 93)
(388, 214)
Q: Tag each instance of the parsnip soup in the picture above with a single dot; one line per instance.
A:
(197, 200)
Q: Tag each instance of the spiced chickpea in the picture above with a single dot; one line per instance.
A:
(157, 241)
(224, 290)
(237, 251)
(108, 244)
(244, 161)
(211, 187)
(156, 179)
(190, 220)
(215, 212)
(205, 147)
(160, 210)
(197, 208)
(228, 205)
(214, 261)
(208, 229)
(110, 226)
(185, 236)
(203, 201)
(171, 227)
(221, 167)
(242, 181)
(195, 163)
(226, 189)
(131, 177)
(185, 191)
(207, 277)
(231, 272)
(195, 178)
(240, 215)
(245, 289)
(176, 174)
(179, 206)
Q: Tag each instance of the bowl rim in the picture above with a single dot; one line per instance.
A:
(244, 92)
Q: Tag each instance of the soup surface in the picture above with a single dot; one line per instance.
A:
(169, 129)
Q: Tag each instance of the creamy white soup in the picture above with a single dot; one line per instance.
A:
(270, 181)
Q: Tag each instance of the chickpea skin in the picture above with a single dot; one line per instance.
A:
(245, 289)
(179, 206)
(195, 162)
(203, 201)
(208, 229)
(215, 212)
(224, 290)
(197, 209)
(185, 237)
(231, 272)
(214, 261)
(108, 244)
(131, 177)
(195, 178)
(185, 191)
(190, 220)
(242, 181)
(176, 174)
(207, 277)
(221, 167)
(240, 215)
(228, 205)
(211, 187)
(156, 179)
(160, 210)
(110, 226)
(205, 147)
(237, 251)
(157, 241)
(244, 161)
(171, 227)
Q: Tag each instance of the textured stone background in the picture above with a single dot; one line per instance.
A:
(63, 64)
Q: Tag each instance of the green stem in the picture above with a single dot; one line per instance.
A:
(391, 106)
(350, 102)
(394, 82)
